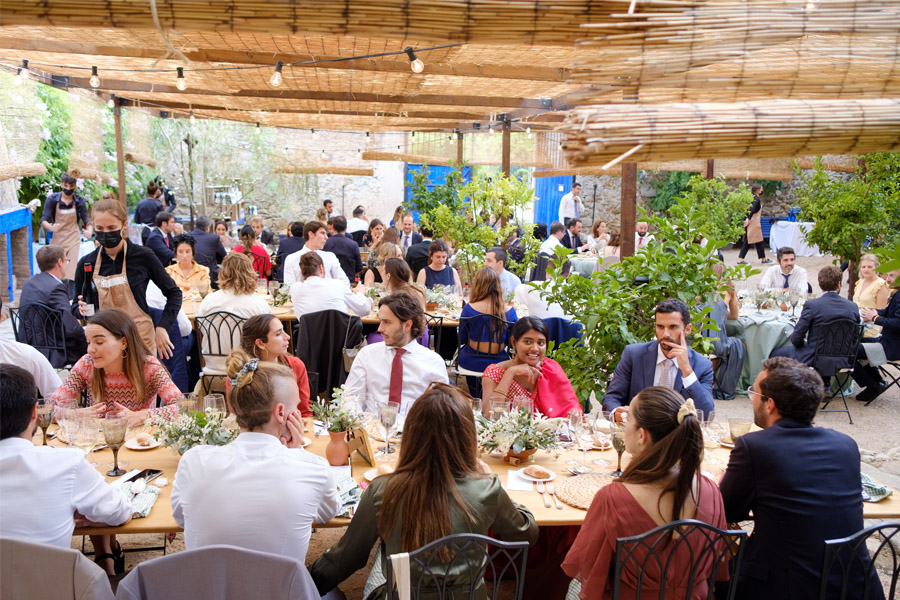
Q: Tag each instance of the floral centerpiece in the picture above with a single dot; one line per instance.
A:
(338, 414)
(374, 294)
(195, 428)
(282, 295)
(518, 432)
(442, 296)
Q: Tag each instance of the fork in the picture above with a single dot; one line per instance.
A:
(551, 491)
(541, 491)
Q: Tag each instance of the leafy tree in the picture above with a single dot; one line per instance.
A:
(424, 198)
(668, 190)
(713, 207)
(852, 215)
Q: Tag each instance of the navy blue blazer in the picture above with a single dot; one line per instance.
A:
(802, 485)
(288, 246)
(46, 289)
(572, 243)
(829, 307)
(156, 242)
(208, 251)
(889, 319)
(637, 368)
(344, 247)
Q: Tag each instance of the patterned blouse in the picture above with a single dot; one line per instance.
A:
(119, 389)
(515, 392)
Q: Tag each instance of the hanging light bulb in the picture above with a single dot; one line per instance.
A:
(368, 138)
(491, 130)
(22, 73)
(95, 79)
(180, 83)
(314, 136)
(528, 131)
(450, 137)
(193, 120)
(275, 79)
(415, 63)
(413, 135)
(112, 102)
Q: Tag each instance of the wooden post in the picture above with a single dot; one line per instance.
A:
(120, 154)
(710, 168)
(504, 160)
(459, 146)
(629, 208)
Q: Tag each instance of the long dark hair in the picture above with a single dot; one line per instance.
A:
(257, 328)
(248, 237)
(655, 409)
(439, 446)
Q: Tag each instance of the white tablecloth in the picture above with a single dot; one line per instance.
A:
(791, 234)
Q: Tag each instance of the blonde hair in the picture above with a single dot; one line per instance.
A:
(113, 207)
(237, 274)
(871, 258)
(253, 396)
(387, 250)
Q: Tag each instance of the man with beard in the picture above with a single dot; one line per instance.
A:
(399, 368)
(666, 361)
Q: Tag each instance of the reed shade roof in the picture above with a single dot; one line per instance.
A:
(137, 140)
(20, 122)
(776, 169)
(87, 157)
(597, 135)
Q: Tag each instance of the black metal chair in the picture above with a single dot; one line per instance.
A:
(220, 333)
(313, 379)
(434, 324)
(428, 567)
(491, 334)
(856, 563)
(348, 266)
(837, 343)
(892, 378)
(41, 327)
(652, 555)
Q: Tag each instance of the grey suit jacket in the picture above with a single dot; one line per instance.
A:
(46, 289)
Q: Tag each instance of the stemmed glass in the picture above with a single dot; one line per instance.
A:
(618, 442)
(584, 435)
(387, 414)
(65, 418)
(712, 434)
(476, 406)
(738, 427)
(574, 419)
(216, 402)
(274, 286)
(44, 417)
(602, 427)
(84, 436)
(114, 427)
(794, 299)
(759, 298)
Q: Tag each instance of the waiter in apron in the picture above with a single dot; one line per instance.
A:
(120, 271)
(61, 214)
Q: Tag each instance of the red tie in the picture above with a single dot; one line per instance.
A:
(167, 241)
(396, 389)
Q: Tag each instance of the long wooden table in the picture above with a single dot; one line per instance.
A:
(160, 518)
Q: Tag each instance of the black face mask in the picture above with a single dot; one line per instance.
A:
(109, 239)
(68, 192)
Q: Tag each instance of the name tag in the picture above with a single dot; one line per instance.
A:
(108, 283)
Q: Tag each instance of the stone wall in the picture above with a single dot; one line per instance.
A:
(608, 196)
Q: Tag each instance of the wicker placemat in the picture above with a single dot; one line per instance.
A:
(579, 491)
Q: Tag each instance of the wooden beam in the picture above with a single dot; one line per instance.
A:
(439, 160)
(629, 208)
(459, 146)
(326, 171)
(504, 152)
(120, 155)
(710, 169)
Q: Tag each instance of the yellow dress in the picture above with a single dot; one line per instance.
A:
(867, 299)
(199, 274)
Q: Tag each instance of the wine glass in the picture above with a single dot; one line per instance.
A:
(387, 414)
(476, 406)
(618, 442)
(712, 434)
(214, 402)
(84, 436)
(188, 402)
(738, 427)
(794, 299)
(65, 418)
(499, 408)
(584, 436)
(203, 288)
(602, 428)
(114, 427)
(44, 416)
(274, 286)
(574, 420)
(759, 298)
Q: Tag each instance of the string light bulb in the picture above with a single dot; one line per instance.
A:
(193, 120)
(450, 137)
(276, 78)
(368, 138)
(314, 136)
(95, 78)
(22, 73)
(415, 63)
(490, 130)
(528, 131)
(180, 82)
(112, 102)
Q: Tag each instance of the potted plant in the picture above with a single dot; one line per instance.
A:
(340, 417)
(518, 434)
(195, 428)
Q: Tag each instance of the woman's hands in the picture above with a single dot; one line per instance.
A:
(135, 418)
(526, 372)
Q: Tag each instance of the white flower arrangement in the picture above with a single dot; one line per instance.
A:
(518, 431)
(339, 414)
(195, 428)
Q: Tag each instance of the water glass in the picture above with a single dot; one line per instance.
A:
(84, 436)
(188, 402)
(499, 408)
(738, 427)
(44, 416)
(262, 286)
(602, 427)
(387, 415)
(526, 404)
(476, 406)
(214, 402)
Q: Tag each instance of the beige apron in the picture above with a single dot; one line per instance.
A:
(68, 236)
(113, 291)
(754, 228)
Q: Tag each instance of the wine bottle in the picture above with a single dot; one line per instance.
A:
(87, 290)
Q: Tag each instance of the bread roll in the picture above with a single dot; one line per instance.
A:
(537, 472)
(144, 439)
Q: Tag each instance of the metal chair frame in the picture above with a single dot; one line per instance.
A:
(227, 327)
(49, 322)
(477, 552)
(846, 553)
(434, 324)
(500, 337)
(700, 540)
(890, 377)
(838, 338)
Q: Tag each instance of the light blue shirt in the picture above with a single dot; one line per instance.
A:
(509, 282)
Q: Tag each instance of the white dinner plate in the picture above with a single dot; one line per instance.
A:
(371, 474)
(132, 444)
(306, 441)
(609, 446)
(530, 478)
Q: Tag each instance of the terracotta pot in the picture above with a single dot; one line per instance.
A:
(337, 451)
(430, 307)
(523, 456)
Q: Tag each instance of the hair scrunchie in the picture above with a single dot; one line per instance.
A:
(250, 366)
(687, 409)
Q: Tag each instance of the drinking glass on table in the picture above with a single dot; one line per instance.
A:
(574, 422)
(203, 288)
(387, 415)
(526, 404)
(794, 300)
(584, 436)
(712, 434)
(188, 402)
(274, 286)
(65, 418)
(618, 442)
(44, 416)
(738, 427)
(476, 406)
(115, 425)
(214, 402)
(602, 427)
(84, 436)
(498, 409)
(262, 286)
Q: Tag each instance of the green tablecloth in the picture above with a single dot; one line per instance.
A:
(584, 266)
(761, 338)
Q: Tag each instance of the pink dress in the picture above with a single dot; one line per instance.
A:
(119, 389)
(553, 395)
(615, 513)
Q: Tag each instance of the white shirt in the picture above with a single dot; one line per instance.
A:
(570, 206)
(509, 281)
(155, 299)
(549, 244)
(371, 372)
(355, 224)
(537, 306)
(242, 305)
(317, 293)
(774, 279)
(406, 239)
(332, 266)
(254, 493)
(30, 359)
(672, 365)
(42, 487)
(640, 243)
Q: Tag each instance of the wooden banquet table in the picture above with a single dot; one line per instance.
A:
(160, 518)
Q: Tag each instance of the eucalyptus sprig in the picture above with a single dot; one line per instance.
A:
(337, 414)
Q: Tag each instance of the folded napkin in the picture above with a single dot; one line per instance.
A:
(140, 503)
(751, 318)
(516, 483)
(873, 492)
(350, 493)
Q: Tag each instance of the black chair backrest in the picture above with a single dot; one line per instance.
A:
(853, 559)
(467, 556)
(220, 333)
(348, 266)
(651, 556)
(489, 331)
(14, 320)
(358, 237)
(837, 339)
(41, 326)
(539, 270)
(435, 325)
(313, 379)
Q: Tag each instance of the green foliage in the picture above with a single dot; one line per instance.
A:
(770, 186)
(714, 208)
(425, 201)
(615, 311)
(668, 190)
(847, 212)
